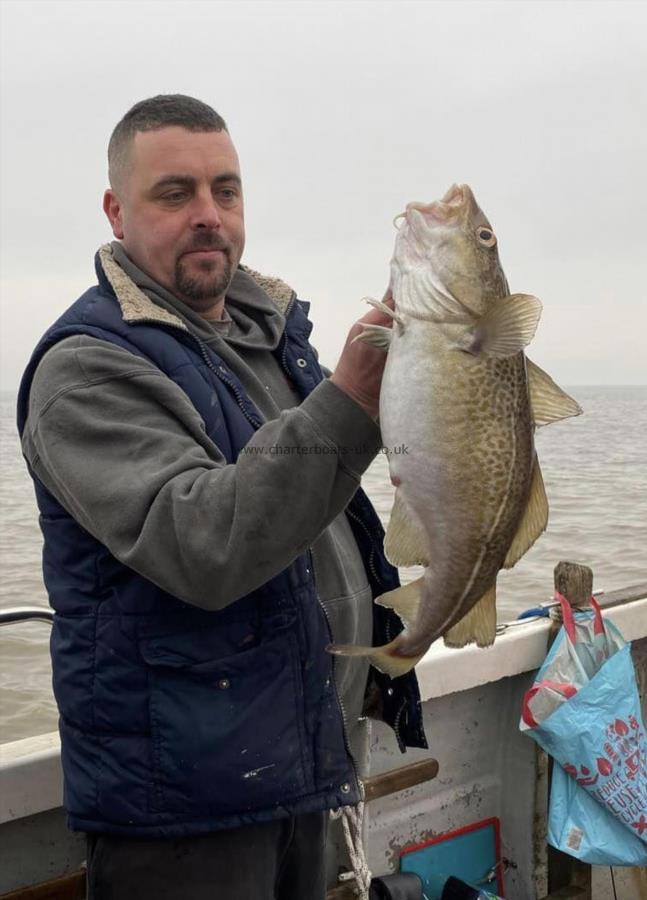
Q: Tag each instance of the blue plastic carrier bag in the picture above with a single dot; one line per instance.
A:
(584, 710)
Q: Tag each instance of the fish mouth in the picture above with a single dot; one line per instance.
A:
(444, 210)
(456, 196)
(439, 212)
(420, 221)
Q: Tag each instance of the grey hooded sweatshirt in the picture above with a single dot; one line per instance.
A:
(121, 447)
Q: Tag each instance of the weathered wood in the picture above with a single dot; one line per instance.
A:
(567, 873)
(399, 779)
(540, 823)
(343, 892)
(574, 582)
(568, 893)
(69, 887)
(609, 599)
(567, 876)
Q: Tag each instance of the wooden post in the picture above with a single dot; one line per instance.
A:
(575, 583)
(566, 873)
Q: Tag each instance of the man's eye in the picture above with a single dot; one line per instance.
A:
(173, 196)
(228, 195)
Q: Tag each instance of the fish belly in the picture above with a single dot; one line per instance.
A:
(465, 423)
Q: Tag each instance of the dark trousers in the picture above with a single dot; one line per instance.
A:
(280, 860)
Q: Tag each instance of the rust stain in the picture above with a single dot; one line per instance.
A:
(471, 800)
(396, 845)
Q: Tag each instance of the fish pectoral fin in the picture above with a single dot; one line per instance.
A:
(478, 625)
(505, 329)
(405, 543)
(549, 403)
(375, 335)
(405, 601)
(384, 658)
(533, 521)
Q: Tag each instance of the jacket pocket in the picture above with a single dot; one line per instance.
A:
(228, 734)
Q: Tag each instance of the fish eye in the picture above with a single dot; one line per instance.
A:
(486, 236)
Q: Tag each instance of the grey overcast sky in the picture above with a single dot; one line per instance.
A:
(343, 112)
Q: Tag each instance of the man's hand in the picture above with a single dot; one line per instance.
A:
(359, 370)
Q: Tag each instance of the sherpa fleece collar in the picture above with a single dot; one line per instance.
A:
(137, 307)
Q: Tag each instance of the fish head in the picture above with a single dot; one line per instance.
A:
(446, 256)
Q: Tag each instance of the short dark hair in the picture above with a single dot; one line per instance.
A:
(152, 114)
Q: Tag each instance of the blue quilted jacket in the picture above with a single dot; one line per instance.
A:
(175, 720)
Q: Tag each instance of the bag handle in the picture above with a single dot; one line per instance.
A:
(566, 690)
(569, 620)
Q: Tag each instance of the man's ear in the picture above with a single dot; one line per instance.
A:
(112, 208)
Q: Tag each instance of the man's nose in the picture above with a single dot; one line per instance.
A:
(205, 212)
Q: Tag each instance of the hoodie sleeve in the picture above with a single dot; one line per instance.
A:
(121, 447)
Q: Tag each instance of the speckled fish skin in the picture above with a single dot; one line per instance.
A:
(460, 400)
(464, 417)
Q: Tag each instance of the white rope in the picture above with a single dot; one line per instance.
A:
(352, 818)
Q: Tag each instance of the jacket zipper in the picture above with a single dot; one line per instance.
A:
(220, 373)
(396, 722)
(344, 720)
(284, 355)
(371, 558)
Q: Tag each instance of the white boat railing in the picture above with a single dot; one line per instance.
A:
(14, 614)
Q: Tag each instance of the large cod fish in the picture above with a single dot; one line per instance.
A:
(459, 392)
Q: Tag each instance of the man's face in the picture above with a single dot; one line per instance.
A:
(179, 212)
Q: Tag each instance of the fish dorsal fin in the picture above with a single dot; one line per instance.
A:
(506, 328)
(533, 521)
(548, 401)
(405, 601)
(478, 625)
(405, 543)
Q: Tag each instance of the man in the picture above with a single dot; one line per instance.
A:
(205, 539)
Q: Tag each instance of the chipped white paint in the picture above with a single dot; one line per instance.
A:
(31, 779)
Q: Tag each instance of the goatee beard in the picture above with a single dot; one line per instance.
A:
(202, 289)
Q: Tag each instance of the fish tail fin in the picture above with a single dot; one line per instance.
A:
(478, 625)
(383, 658)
